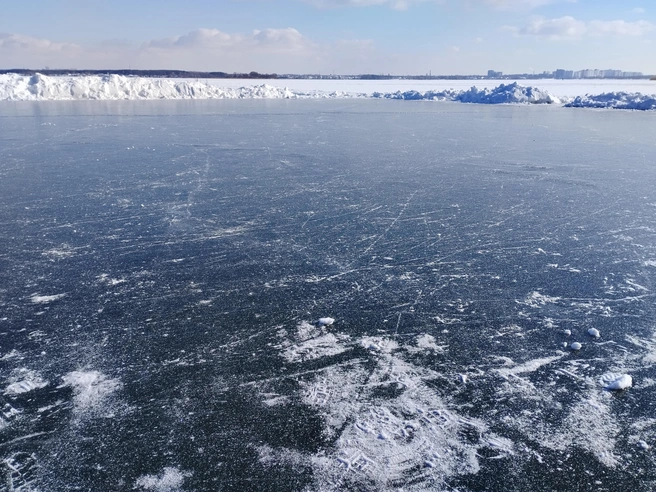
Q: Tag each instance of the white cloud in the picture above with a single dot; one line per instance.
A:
(267, 50)
(570, 28)
(394, 4)
(519, 4)
(19, 42)
(638, 10)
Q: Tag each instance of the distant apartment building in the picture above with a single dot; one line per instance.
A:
(563, 74)
(590, 73)
(493, 74)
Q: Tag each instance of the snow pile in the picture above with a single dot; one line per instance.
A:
(614, 381)
(503, 94)
(38, 87)
(615, 100)
(115, 87)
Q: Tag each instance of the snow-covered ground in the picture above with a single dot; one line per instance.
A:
(559, 88)
(619, 94)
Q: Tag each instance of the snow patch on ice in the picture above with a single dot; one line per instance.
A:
(590, 425)
(426, 343)
(314, 348)
(37, 299)
(393, 428)
(90, 389)
(169, 480)
(379, 344)
(312, 342)
(536, 299)
(23, 381)
(529, 366)
(269, 456)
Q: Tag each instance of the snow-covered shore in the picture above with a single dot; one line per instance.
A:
(39, 87)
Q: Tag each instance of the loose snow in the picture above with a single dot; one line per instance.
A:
(169, 480)
(90, 389)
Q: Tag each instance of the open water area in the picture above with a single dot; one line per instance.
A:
(164, 265)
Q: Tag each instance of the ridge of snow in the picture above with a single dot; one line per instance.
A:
(38, 87)
(615, 100)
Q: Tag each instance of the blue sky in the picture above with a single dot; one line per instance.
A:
(325, 36)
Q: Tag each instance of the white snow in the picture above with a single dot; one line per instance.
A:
(90, 389)
(40, 87)
(503, 94)
(536, 299)
(37, 299)
(615, 100)
(116, 87)
(379, 344)
(426, 343)
(593, 332)
(315, 348)
(312, 342)
(169, 480)
(23, 381)
(615, 381)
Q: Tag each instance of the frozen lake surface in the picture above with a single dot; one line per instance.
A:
(326, 295)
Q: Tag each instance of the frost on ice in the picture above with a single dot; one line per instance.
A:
(170, 480)
(90, 389)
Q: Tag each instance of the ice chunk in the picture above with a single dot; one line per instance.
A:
(325, 321)
(576, 346)
(615, 381)
(593, 332)
(24, 386)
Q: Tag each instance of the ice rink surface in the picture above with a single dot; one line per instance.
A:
(316, 295)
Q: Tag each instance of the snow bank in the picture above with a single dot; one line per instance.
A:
(117, 87)
(40, 87)
(503, 94)
(615, 100)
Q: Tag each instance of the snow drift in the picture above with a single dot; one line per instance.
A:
(503, 94)
(117, 87)
(39, 87)
(615, 100)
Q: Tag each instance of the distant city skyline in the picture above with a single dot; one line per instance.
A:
(440, 37)
(586, 73)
